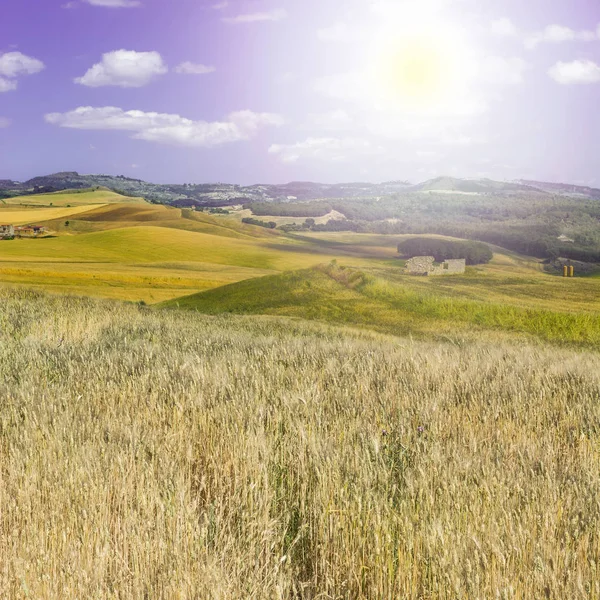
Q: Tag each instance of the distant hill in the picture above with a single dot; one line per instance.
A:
(222, 194)
(188, 194)
(473, 186)
(565, 189)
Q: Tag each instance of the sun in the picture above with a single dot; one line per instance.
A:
(420, 68)
(416, 68)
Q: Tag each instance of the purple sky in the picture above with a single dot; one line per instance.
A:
(281, 90)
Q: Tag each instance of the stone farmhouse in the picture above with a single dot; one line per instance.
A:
(6, 231)
(425, 266)
(29, 231)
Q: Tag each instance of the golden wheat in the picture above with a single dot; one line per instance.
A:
(148, 454)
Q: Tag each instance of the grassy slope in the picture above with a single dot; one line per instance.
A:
(139, 251)
(15, 215)
(400, 305)
(72, 198)
(163, 454)
(150, 253)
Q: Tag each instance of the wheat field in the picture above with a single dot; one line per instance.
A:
(152, 454)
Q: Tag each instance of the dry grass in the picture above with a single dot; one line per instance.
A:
(28, 216)
(148, 454)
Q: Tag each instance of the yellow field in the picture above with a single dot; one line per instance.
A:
(151, 454)
(72, 198)
(14, 215)
(240, 213)
(140, 251)
(147, 252)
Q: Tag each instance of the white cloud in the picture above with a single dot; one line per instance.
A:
(114, 3)
(6, 85)
(277, 14)
(190, 68)
(326, 149)
(13, 64)
(221, 5)
(503, 71)
(576, 72)
(557, 34)
(4, 122)
(124, 68)
(504, 28)
(167, 128)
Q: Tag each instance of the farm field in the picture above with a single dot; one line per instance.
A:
(239, 213)
(268, 457)
(15, 215)
(142, 252)
(382, 300)
(213, 263)
(72, 198)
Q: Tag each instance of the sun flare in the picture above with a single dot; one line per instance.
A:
(420, 70)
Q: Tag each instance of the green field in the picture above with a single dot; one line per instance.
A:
(135, 251)
(138, 251)
(382, 299)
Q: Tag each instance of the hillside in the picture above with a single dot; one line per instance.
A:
(472, 186)
(566, 189)
(207, 194)
(72, 197)
(158, 453)
(144, 252)
(482, 304)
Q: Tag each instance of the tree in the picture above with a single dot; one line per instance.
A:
(475, 253)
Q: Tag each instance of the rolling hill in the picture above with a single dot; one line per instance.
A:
(473, 186)
(485, 303)
(72, 197)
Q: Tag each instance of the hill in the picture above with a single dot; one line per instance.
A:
(565, 189)
(188, 194)
(387, 301)
(158, 453)
(72, 197)
(473, 186)
(139, 251)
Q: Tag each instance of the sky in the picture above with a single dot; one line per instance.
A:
(271, 91)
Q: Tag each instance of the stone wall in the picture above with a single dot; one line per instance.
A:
(425, 265)
(420, 265)
(456, 266)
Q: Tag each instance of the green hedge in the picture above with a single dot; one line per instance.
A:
(475, 253)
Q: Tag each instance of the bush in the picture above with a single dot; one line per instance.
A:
(475, 253)
(258, 223)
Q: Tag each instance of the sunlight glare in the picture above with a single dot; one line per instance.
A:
(419, 65)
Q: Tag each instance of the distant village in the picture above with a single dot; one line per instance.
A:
(10, 232)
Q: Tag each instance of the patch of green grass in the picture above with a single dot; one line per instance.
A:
(353, 297)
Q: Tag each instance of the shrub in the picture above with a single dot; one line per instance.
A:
(475, 253)
(259, 223)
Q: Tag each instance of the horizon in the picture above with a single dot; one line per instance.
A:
(298, 181)
(364, 91)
